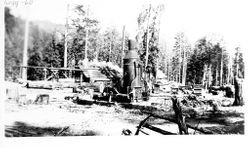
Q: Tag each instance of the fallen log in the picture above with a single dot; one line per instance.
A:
(15, 132)
(143, 132)
(171, 119)
(141, 124)
(61, 131)
(158, 130)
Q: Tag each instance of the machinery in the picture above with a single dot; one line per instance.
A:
(133, 82)
(134, 87)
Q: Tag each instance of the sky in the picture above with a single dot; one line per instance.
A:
(196, 18)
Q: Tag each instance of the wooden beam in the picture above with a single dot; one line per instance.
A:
(158, 130)
(55, 68)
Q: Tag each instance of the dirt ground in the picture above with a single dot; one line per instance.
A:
(64, 118)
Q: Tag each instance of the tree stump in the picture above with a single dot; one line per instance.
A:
(238, 92)
(180, 119)
(42, 99)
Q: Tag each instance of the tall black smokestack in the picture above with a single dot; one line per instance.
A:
(129, 70)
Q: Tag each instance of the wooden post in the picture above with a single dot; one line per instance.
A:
(110, 97)
(179, 117)
(80, 78)
(45, 74)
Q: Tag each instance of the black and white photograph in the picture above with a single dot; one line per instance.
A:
(77, 68)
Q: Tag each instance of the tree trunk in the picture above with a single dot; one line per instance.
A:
(65, 62)
(86, 39)
(184, 69)
(168, 69)
(229, 71)
(123, 45)
(204, 80)
(179, 117)
(110, 50)
(216, 75)
(147, 41)
(238, 92)
(221, 68)
(209, 75)
(25, 49)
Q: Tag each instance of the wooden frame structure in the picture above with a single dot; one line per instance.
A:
(54, 71)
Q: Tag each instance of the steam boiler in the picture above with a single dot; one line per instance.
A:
(134, 87)
(133, 82)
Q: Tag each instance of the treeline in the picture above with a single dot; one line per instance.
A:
(86, 39)
(46, 48)
(207, 62)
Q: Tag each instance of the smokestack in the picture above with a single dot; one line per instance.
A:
(129, 69)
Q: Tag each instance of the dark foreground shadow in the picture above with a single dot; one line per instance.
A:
(21, 129)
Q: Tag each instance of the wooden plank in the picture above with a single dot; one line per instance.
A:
(158, 130)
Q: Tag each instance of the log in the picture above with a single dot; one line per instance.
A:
(202, 130)
(144, 132)
(61, 131)
(141, 124)
(158, 130)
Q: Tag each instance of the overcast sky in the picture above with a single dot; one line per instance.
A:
(196, 18)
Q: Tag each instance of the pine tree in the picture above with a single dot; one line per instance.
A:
(148, 37)
(51, 54)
